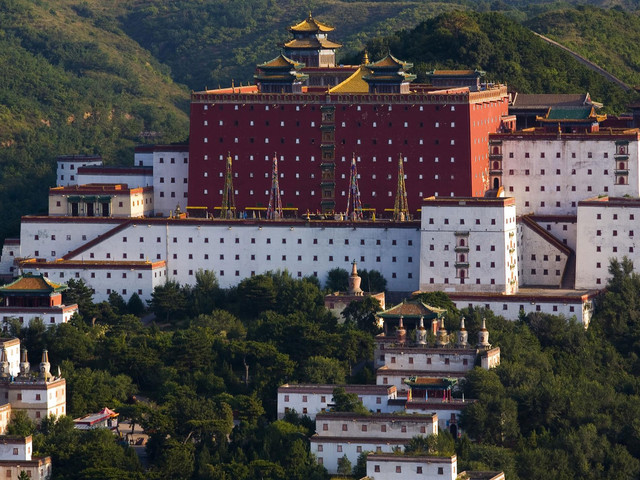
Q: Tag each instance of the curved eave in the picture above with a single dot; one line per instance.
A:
(311, 25)
(311, 43)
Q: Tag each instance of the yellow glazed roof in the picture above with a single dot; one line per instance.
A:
(354, 84)
(311, 43)
(310, 24)
(281, 61)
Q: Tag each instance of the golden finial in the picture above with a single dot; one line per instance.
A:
(365, 59)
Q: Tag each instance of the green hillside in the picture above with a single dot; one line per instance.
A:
(610, 38)
(71, 82)
(210, 43)
(506, 50)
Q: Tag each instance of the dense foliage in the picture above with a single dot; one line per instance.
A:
(73, 84)
(561, 405)
(506, 50)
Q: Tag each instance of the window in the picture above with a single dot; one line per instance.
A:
(344, 427)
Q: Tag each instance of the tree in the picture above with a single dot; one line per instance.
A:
(344, 466)
(363, 314)
(168, 301)
(205, 292)
(372, 281)
(360, 470)
(135, 305)
(117, 303)
(78, 292)
(347, 402)
(337, 280)
(20, 424)
(324, 370)
(442, 445)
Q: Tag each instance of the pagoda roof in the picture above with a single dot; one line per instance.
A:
(353, 84)
(430, 382)
(281, 62)
(546, 100)
(390, 62)
(411, 309)
(29, 283)
(310, 25)
(566, 114)
(312, 42)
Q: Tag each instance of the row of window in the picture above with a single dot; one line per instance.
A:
(312, 141)
(388, 108)
(462, 260)
(558, 155)
(446, 281)
(477, 221)
(312, 158)
(236, 123)
(478, 248)
(173, 194)
(173, 160)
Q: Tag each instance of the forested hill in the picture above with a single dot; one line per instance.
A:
(72, 82)
(506, 50)
(610, 38)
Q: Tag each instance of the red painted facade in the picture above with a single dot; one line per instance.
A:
(443, 136)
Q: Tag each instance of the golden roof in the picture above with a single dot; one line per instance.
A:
(389, 61)
(353, 84)
(312, 42)
(281, 62)
(33, 283)
(310, 24)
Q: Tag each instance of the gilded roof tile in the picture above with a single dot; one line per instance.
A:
(310, 24)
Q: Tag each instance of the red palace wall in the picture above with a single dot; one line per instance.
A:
(429, 130)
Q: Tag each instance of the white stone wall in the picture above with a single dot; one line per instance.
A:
(10, 250)
(12, 448)
(541, 263)
(509, 308)
(143, 159)
(316, 400)
(13, 354)
(399, 467)
(124, 279)
(479, 233)
(49, 316)
(328, 452)
(374, 426)
(132, 180)
(67, 172)
(171, 181)
(550, 176)
(606, 229)
(235, 251)
(436, 360)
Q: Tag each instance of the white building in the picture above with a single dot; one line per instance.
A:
(103, 277)
(101, 200)
(309, 399)
(234, 250)
(40, 394)
(548, 173)
(402, 467)
(133, 176)
(606, 229)
(468, 244)
(340, 434)
(16, 457)
(68, 167)
(170, 177)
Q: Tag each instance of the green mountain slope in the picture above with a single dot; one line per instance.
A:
(506, 50)
(72, 83)
(610, 38)
(210, 43)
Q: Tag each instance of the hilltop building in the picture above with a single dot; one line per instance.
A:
(34, 296)
(16, 457)
(426, 467)
(340, 133)
(374, 114)
(105, 418)
(349, 434)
